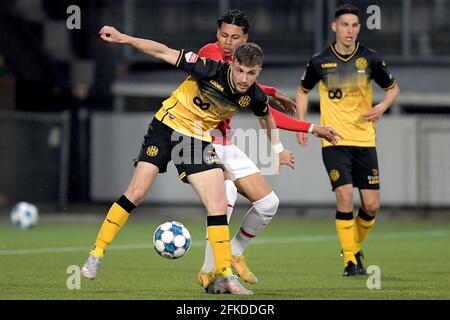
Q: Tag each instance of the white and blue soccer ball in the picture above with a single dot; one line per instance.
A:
(172, 240)
(24, 215)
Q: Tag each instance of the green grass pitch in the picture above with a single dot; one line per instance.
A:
(294, 259)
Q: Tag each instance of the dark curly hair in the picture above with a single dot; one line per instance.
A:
(236, 17)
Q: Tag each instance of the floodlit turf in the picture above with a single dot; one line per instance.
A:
(294, 259)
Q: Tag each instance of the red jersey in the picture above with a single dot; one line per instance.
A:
(225, 134)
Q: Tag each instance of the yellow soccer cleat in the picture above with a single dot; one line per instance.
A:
(205, 278)
(240, 265)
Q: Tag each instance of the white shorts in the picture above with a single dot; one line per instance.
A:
(236, 162)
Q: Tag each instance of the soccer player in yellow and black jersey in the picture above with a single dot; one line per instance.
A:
(180, 133)
(345, 71)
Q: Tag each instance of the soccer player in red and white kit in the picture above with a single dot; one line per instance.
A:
(243, 175)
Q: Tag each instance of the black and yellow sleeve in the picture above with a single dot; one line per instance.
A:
(381, 74)
(259, 103)
(197, 66)
(310, 77)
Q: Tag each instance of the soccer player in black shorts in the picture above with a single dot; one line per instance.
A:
(180, 132)
(345, 71)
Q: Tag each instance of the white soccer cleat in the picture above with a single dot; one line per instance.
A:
(89, 270)
(229, 284)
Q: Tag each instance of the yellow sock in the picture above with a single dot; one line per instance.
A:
(357, 242)
(219, 238)
(98, 252)
(363, 223)
(115, 219)
(346, 234)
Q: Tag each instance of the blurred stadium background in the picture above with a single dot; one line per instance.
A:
(74, 110)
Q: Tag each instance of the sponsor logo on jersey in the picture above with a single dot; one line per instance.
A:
(212, 157)
(335, 94)
(329, 65)
(374, 178)
(217, 85)
(191, 57)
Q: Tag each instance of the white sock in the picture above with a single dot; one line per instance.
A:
(231, 196)
(255, 220)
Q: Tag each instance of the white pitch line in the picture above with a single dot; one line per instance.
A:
(317, 238)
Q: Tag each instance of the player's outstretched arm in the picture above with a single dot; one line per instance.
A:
(280, 98)
(150, 47)
(285, 156)
(328, 133)
(287, 103)
(287, 123)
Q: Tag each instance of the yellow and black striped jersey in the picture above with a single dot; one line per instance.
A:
(207, 97)
(346, 91)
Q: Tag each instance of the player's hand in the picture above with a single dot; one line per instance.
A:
(302, 138)
(328, 133)
(287, 158)
(111, 34)
(375, 114)
(286, 103)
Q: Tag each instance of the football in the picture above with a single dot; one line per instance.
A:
(24, 215)
(171, 240)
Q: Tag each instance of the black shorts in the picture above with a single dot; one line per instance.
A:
(190, 155)
(352, 165)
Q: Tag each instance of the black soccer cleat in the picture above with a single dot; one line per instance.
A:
(361, 271)
(350, 270)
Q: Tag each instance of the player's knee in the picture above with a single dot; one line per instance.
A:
(268, 205)
(344, 199)
(136, 195)
(372, 208)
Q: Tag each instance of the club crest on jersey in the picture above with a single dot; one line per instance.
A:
(191, 57)
(361, 63)
(152, 151)
(244, 101)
